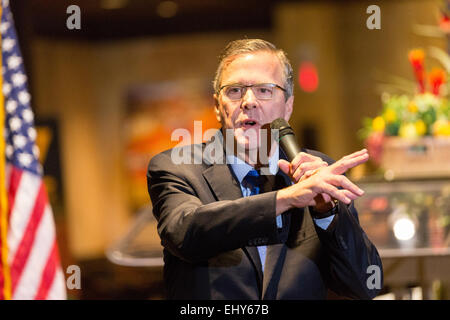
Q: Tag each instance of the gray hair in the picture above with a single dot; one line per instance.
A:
(243, 46)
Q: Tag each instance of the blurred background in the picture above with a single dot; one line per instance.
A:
(108, 96)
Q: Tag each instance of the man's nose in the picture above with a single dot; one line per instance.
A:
(249, 100)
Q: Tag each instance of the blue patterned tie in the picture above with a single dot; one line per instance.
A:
(254, 181)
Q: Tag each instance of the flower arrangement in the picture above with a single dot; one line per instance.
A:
(427, 113)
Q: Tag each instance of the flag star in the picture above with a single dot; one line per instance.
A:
(8, 44)
(25, 159)
(19, 141)
(9, 150)
(15, 123)
(27, 115)
(4, 27)
(36, 151)
(6, 88)
(18, 79)
(11, 106)
(14, 61)
(24, 97)
(39, 169)
(32, 133)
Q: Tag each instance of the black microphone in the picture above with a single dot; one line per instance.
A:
(286, 138)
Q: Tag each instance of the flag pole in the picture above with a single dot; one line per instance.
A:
(3, 197)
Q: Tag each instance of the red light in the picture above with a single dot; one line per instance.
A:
(308, 78)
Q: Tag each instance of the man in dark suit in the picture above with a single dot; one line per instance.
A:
(229, 230)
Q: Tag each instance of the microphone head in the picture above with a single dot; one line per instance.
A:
(282, 126)
(279, 123)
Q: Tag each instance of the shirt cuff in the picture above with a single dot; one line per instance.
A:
(279, 222)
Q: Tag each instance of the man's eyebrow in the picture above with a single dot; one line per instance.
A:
(232, 84)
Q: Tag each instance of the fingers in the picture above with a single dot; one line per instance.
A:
(344, 182)
(284, 166)
(301, 158)
(355, 154)
(329, 185)
(302, 163)
(331, 190)
(306, 169)
(326, 197)
(350, 195)
(347, 162)
(340, 195)
(309, 171)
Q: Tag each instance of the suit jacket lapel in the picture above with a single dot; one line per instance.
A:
(222, 182)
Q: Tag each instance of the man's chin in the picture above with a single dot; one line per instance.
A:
(244, 140)
(244, 143)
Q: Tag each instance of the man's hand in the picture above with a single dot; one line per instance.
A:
(319, 179)
(302, 163)
(303, 166)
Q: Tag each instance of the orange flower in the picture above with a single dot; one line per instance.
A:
(436, 78)
(416, 58)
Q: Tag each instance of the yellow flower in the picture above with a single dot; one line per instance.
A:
(421, 128)
(407, 130)
(441, 128)
(390, 115)
(378, 124)
(412, 107)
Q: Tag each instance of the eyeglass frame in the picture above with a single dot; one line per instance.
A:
(273, 85)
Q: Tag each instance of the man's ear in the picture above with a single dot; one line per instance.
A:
(216, 108)
(289, 107)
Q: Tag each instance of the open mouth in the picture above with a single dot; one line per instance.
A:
(249, 123)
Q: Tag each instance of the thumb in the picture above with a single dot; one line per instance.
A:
(284, 166)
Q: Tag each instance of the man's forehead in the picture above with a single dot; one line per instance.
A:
(266, 63)
(251, 58)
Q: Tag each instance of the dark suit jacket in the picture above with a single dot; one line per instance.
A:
(210, 232)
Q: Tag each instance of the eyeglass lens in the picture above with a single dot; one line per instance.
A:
(236, 92)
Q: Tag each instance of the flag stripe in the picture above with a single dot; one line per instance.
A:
(24, 249)
(48, 275)
(58, 289)
(28, 284)
(13, 179)
(23, 204)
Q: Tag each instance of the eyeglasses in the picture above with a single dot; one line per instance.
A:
(262, 91)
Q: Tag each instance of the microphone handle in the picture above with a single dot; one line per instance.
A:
(289, 146)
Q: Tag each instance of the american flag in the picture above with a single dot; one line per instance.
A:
(30, 266)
